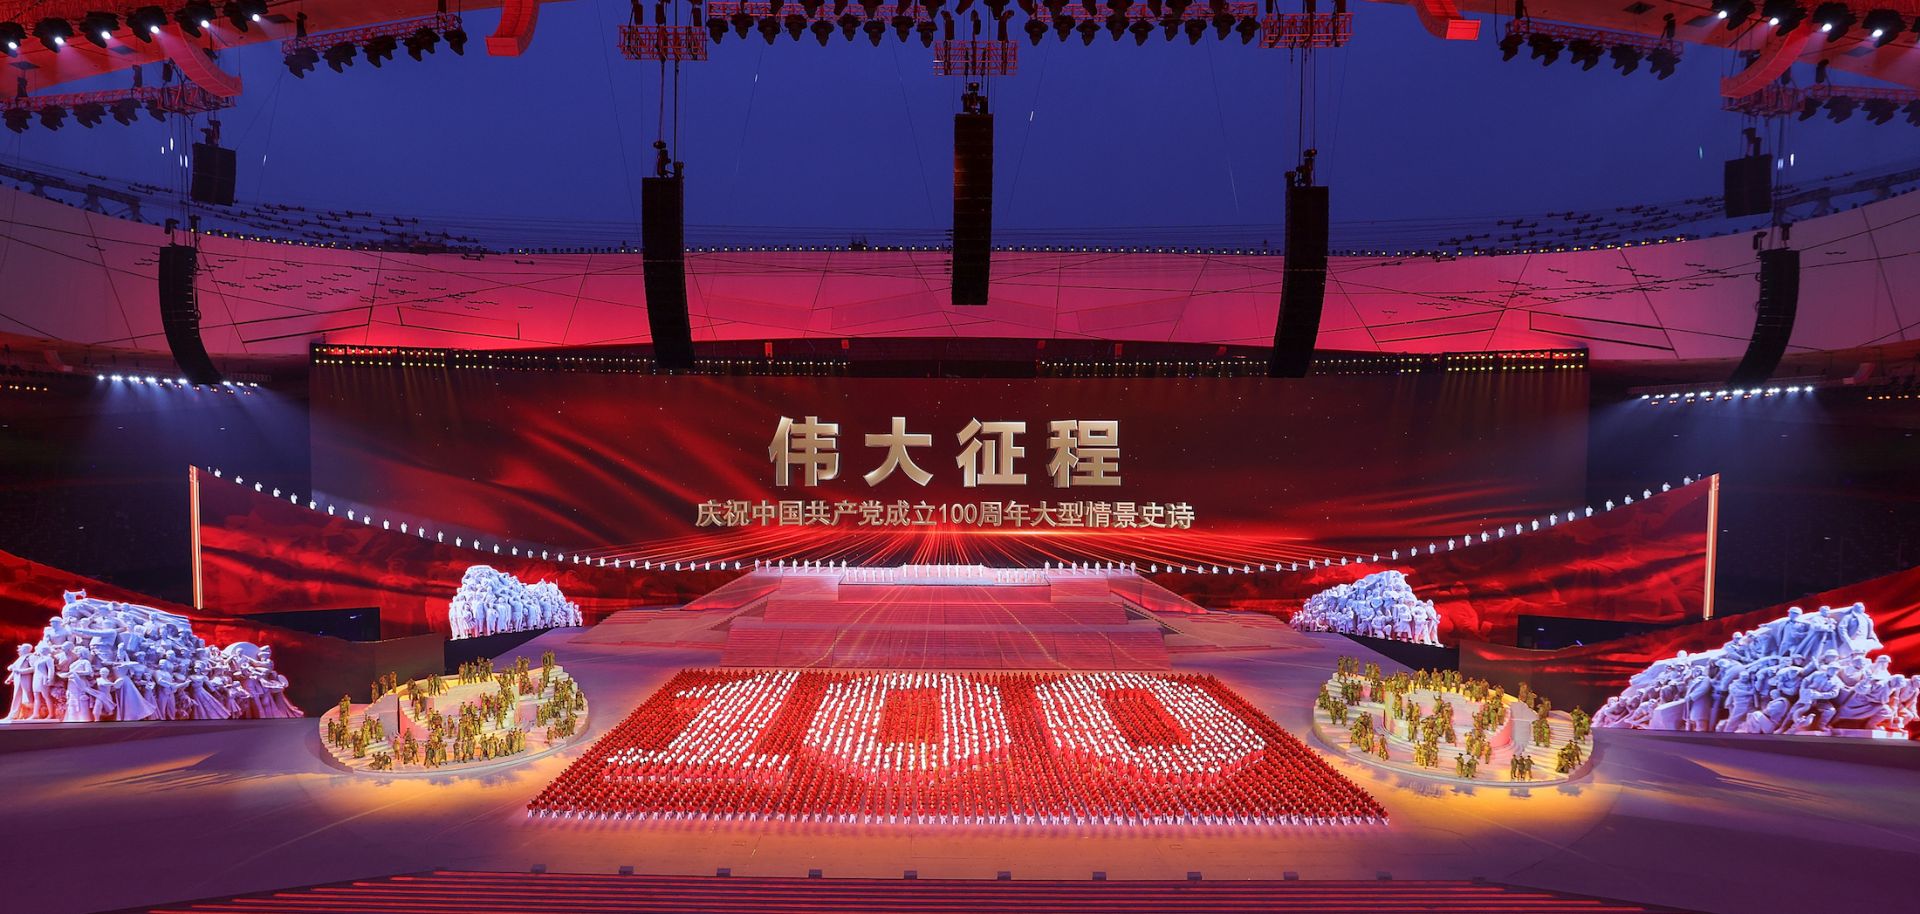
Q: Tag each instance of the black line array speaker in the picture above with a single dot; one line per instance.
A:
(972, 207)
(180, 313)
(1303, 282)
(213, 174)
(1773, 316)
(663, 265)
(1749, 186)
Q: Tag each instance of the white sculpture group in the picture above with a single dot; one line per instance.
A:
(1803, 673)
(1380, 605)
(99, 660)
(490, 602)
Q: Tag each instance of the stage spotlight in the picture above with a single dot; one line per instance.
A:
(53, 116)
(770, 29)
(1880, 110)
(741, 22)
(11, 35)
(1883, 26)
(98, 28)
(302, 62)
(717, 27)
(1626, 58)
(1142, 30)
(1912, 111)
(1248, 28)
(17, 119)
(154, 110)
(1116, 25)
(380, 49)
(903, 27)
(456, 41)
(1088, 30)
(1783, 15)
(1661, 61)
(1733, 12)
(53, 33)
(241, 15)
(146, 22)
(1834, 19)
(849, 24)
(89, 114)
(423, 41)
(195, 17)
(822, 30)
(1196, 29)
(1036, 30)
(1545, 48)
(125, 111)
(876, 30)
(796, 25)
(340, 56)
(1222, 23)
(1584, 52)
(1841, 107)
(1510, 45)
(1062, 25)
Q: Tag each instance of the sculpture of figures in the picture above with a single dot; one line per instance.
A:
(1380, 605)
(1804, 673)
(25, 695)
(490, 602)
(100, 660)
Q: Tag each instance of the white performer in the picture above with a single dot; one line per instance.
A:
(490, 602)
(1803, 673)
(101, 660)
(1380, 605)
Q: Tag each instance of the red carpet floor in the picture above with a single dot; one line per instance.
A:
(449, 892)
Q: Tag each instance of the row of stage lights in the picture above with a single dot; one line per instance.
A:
(1626, 57)
(230, 387)
(1834, 20)
(101, 28)
(1738, 393)
(461, 541)
(1171, 567)
(378, 48)
(88, 114)
(1171, 22)
(1840, 107)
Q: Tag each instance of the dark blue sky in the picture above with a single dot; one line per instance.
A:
(858, 138)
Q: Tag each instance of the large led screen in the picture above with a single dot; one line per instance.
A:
(600, 459)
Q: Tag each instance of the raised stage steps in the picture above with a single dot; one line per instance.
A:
(448, 892)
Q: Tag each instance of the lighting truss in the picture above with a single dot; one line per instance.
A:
(182, 99)
(976, 58)
(1296, 31)
(1777, 100)
(663, 42)
(438, 22)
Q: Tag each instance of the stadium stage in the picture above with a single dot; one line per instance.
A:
(597, 472)
(1661, 820)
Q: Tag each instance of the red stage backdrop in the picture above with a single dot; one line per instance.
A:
(1589, 674)
(604, 459)
(262, 554)
(1644, 562)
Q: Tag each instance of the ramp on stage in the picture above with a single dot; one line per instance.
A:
(928, 617)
